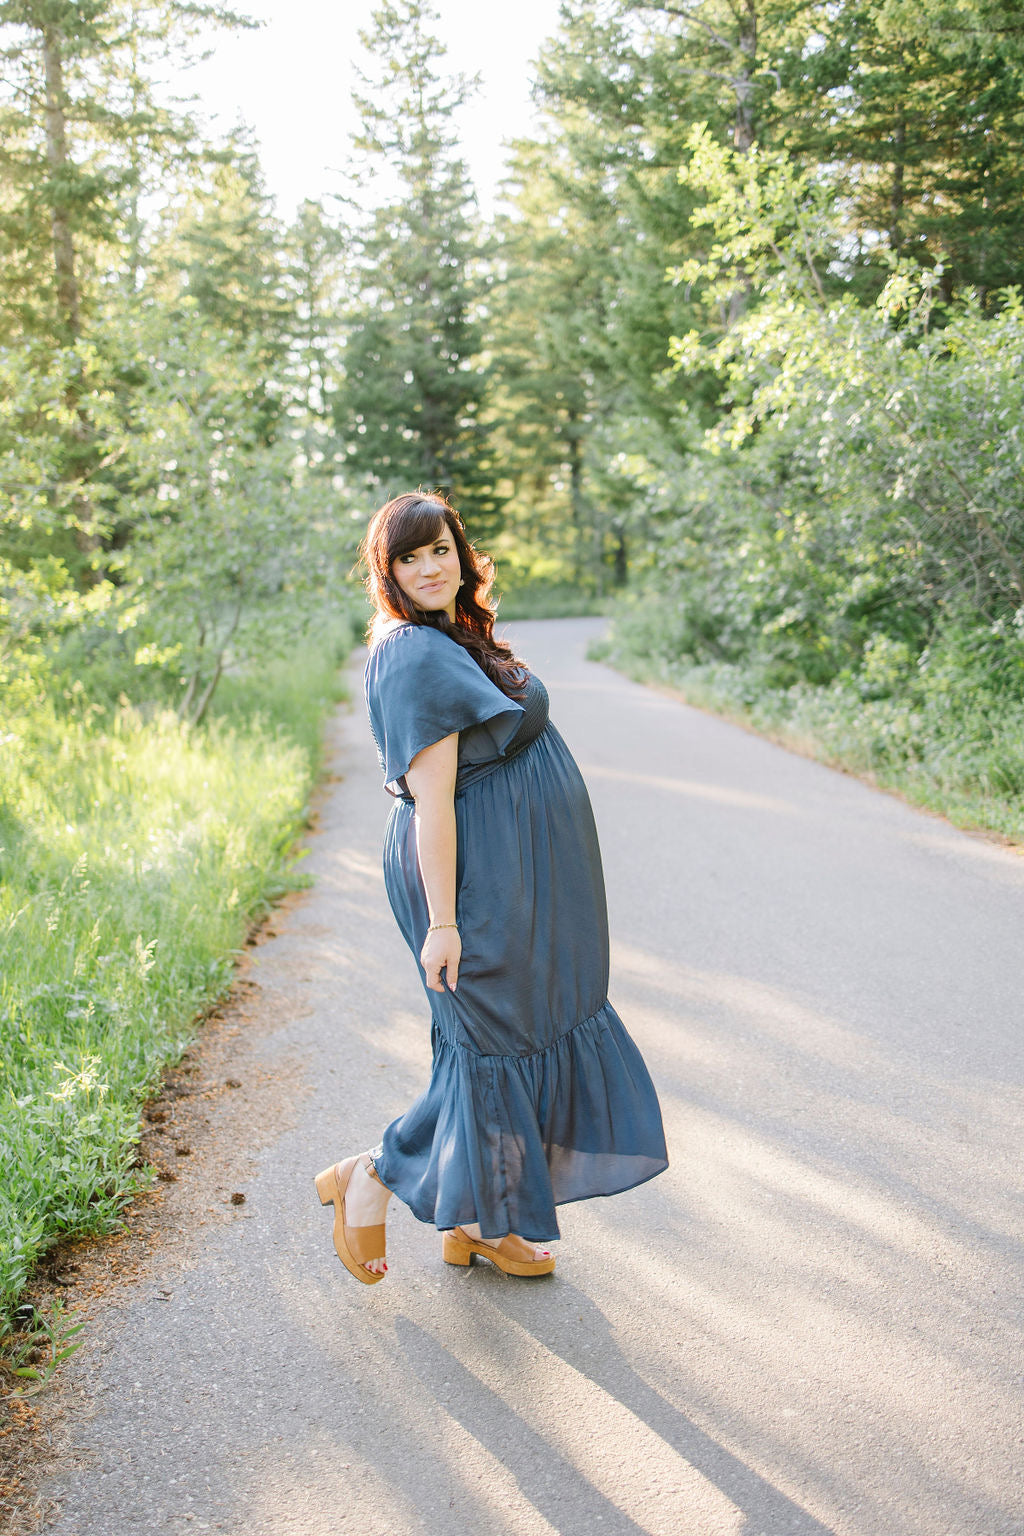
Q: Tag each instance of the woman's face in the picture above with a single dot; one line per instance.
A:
(431, 575)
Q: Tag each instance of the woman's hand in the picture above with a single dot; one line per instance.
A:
(442, 951)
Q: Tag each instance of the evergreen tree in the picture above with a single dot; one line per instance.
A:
(80, 126)
(409, 410)
(314, 271)
(77, 120)
(546, 334)
(921, 106)
(585, 313)
(221, 250)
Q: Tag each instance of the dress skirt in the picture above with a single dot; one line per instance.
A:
(537, 1094)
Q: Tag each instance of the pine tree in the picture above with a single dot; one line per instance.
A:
(221, 252)
(409, 410)
(314, 272)
(921, 107)
(546, 332)
(78, 120)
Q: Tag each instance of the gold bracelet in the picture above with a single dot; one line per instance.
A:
(435, 926)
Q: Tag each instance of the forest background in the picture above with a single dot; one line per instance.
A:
(739, 359)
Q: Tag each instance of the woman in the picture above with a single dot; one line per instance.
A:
(537, 1095)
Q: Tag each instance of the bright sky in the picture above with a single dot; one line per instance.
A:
(291, 82)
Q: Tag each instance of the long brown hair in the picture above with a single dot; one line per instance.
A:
(408, 522)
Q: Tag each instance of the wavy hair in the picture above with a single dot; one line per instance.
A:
(406, 523)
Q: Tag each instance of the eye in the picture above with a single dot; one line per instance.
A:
(405, 559)
(441, 549)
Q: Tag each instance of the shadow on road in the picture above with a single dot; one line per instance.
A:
(537, 1465)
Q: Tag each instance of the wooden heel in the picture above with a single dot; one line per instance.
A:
(455, 1252)
(512, 1255)
(325, 1186)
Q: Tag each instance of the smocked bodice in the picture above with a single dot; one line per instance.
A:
(535, 715)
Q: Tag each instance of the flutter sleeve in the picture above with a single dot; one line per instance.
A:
(422, 686)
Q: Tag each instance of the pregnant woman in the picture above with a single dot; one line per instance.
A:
(537, 1095)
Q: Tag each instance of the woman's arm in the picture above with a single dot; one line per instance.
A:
(431, 781)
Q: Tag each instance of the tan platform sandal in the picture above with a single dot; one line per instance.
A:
(355, 1246)
(513, 1254)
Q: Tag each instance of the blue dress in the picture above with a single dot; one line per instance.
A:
(537, 1095)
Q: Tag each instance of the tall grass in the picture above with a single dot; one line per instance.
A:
(134, 852)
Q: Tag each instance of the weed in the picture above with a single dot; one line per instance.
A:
(37, 1345)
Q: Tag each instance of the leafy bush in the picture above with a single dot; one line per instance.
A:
(861, 491)
(839, 558)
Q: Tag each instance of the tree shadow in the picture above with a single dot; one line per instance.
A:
(556, 1488)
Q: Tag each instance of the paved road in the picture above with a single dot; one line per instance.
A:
(810, 1325)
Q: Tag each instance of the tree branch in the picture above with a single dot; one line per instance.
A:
(697, 21)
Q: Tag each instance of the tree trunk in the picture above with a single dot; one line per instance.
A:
(620, 567)
(744, 131)
(575, 496)
(598, 535)
(208, 692)
(69, 318)
(745, 127)
(897, 193)
(57, 159)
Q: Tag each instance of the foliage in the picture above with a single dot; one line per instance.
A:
(236, 543)
(866, 479)
(314, 266)
(547, 336)
(837, 555)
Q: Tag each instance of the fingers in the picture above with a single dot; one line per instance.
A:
(441, 956)
(433, 975)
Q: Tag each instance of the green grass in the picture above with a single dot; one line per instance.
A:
(951, 743)
(134, 855)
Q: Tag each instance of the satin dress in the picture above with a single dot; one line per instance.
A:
(537, 1094)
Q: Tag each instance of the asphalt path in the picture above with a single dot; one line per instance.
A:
(809, 1325)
